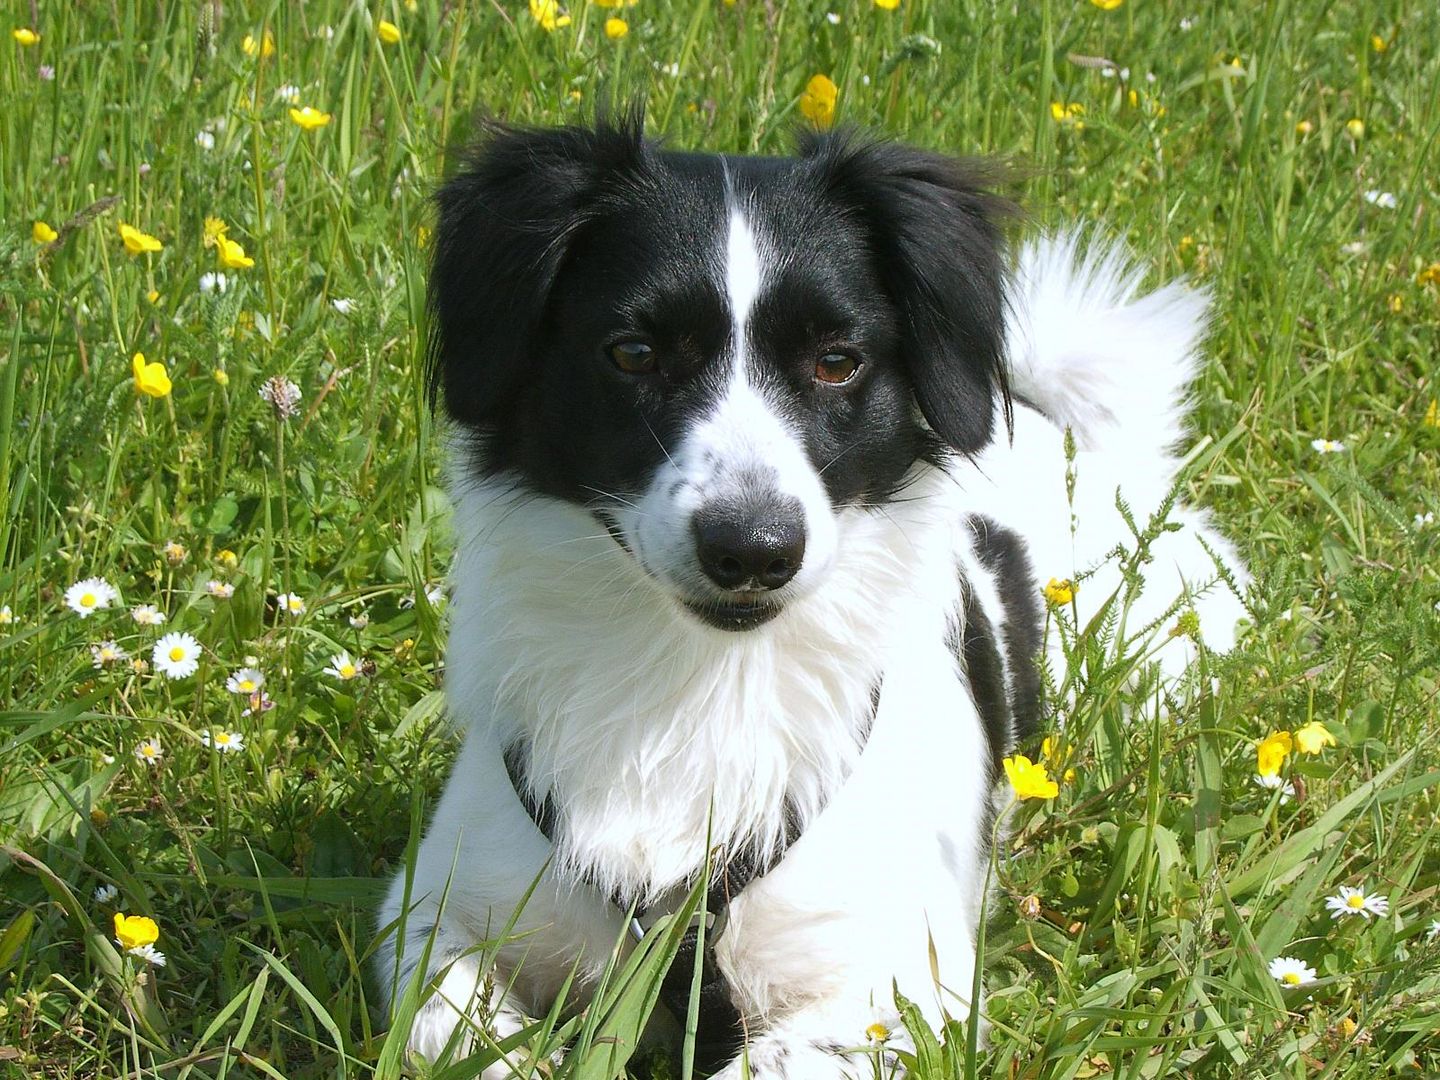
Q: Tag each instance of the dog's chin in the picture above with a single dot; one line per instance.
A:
(736, 616)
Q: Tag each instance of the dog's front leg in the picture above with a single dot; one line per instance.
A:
(823, 1043)
(497, 932)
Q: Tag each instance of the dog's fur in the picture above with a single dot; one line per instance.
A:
(867, 690)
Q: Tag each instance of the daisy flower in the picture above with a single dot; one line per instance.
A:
(147, 615)
(291, 603)
(149, 752)
(1383, 199)
(1288, 971)
(174, 552)
(107, 653)
(1355, 902)
(205, 140)
(176, 656)
(1327, 446)
(91, 595)
(221, 590)
(1434, 931)
(1427, 518)
(105, 893)
(7, 616)
(214, 282)
(289, 93)
(342, 667)
(358, 621)
(150, 954)
(227, 742)
(245, 681)
(342, 305)
(1273, 782)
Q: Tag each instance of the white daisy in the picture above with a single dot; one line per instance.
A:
(1383, 199)
(342, 667)
(1187, 24)
(1355, 902)
(1434, 931)
(214, 282)
(147, 615)
(91, 595)
(1422, 520)
(1288, 971)
(1277, 783)
(107, 653)
(221, 590)
(205, 140)
(105, 893)
(150, 954)
(833, 18)
(1327, 446)
(6, 615)
(227, 742)
(342, 305)
(149, 752)
(176, 656)
(174, 552)
(289, 93)
(291, 603)
(245, 681)
(360, 621)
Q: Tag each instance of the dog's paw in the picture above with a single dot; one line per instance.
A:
(783, 1056)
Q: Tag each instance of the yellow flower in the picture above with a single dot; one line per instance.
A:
(309, 118)
(615, 29)
(149, 378)
(1432, 414)
(817, 103)
(135, 931)
(1107, 5)
(887, 5)
(1313, 737)
(227, 558)
(1029, 780)
(1304, 127)
(263, 48)
(1271, 752)
(153, 296)
(1060, 591)
(1070, 115)
(1378, 43)
(1429, 276)
(230, 255)
(25, 36)
(215, 230)
(616, 3)
(221, 376)
(387, 32)
(1355, 128)
(548, 14)
(1395, 302)
(42, 233)
(137, 242)
(422, 235)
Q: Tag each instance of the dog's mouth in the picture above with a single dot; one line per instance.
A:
(734, 615)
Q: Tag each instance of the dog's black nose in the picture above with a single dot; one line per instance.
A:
(749, 550)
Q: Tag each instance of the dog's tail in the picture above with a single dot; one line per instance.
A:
(1093, 355)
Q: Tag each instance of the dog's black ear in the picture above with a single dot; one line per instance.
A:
(506, 220)
(934, 227)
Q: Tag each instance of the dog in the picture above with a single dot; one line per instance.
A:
(759, 466)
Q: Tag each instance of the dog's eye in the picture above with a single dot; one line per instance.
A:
(633, 357)
(836, 368)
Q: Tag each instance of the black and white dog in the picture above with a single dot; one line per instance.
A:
(759, 474)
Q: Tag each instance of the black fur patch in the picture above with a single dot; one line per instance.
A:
(1002, 552)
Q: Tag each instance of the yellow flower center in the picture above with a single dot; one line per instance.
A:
(177, 653)
(87, 599)
(222, 738)
(147, 751)
(1356, 902)
(1290, 978)
(247, 685)
(347, 671)
(294, 604)
(877, 1031)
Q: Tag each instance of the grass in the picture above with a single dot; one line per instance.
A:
(1163, 879)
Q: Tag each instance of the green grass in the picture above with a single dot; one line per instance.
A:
(1165, 879)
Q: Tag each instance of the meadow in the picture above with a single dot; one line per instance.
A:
(239, 193)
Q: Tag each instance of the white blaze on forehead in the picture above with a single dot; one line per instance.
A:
(743, 274)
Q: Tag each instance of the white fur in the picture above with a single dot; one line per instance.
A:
(647, 727)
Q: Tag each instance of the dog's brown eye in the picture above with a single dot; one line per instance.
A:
(633, 357)
(836, 368)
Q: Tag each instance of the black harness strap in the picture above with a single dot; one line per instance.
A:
(721, 1032)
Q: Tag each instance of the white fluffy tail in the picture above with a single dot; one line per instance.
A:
(1093, 356)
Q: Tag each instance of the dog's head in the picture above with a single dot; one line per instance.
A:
(716, 355)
